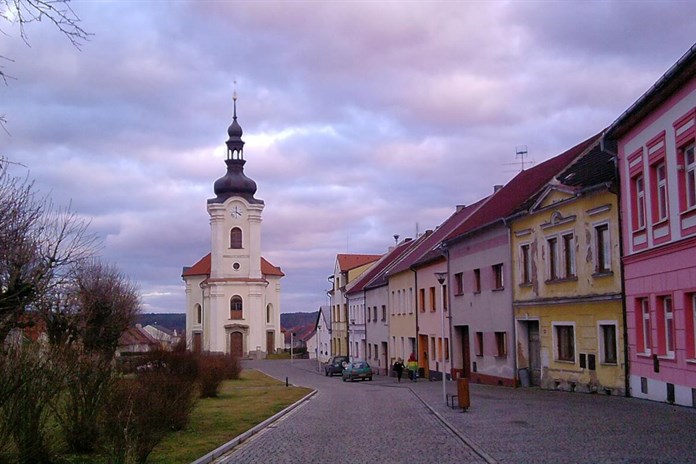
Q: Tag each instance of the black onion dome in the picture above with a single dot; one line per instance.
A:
(235, 130)
(235, 183)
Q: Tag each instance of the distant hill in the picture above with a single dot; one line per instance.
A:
(292, 320)
(174, 321)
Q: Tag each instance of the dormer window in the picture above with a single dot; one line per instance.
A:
(236, 238)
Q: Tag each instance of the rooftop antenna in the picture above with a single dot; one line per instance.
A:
(396, 239)
(521, 154)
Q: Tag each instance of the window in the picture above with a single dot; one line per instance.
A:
(669, 325)
(568, 255)
(433, 301)
(661, 178)
(607, 343)
(458, 284)
(236, 237)
(501, 343)
(690, 173)
(269, 313)
(603, 248)
(369, 315)
(479, 343)
(444, 297)
(421, 299)
(376, 352)
(432, 348)
(498, 275)
(552, 246)
(446, 349)
(640, 201)
(374, 310)
(525, 265)
(384, 312)
(565, 342)
(199, 313)
(643, 307)
(477, 280)
(236, 307)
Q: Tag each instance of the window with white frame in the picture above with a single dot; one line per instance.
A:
(690, 173)
(552, 265)
(603, 248)
(525, 264)
(568, 255)
(608, 347)
(640, 201)
(564, 335)
(498, 276)
(644, 306)
(661, 177)
(669, 324)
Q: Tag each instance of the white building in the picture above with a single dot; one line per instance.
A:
(323, 331)
(233, 293)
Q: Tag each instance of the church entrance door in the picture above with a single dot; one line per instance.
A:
(270, 342)
(237, 344)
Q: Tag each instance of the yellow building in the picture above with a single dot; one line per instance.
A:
(347, 268)
(567, 281)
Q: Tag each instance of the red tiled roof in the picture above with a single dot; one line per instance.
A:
(525, 184)
(386, 260)
(202, 267)
(347, 262)
(136, 336)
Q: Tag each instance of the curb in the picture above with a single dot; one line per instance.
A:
(474, 447)
(221, 450)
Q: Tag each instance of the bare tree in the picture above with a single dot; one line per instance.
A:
(40, 244)
(20, 13)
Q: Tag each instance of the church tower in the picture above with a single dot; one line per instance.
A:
(233, 293)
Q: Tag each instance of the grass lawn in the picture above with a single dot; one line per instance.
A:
(240, 405)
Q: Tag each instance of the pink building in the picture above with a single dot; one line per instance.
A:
(654, 140)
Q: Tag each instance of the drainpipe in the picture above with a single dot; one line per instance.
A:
(415, 305)
(445, 253)
(612, 150)
(202, 316)
(512, 306)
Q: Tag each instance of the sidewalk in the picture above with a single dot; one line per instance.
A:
(531, 425)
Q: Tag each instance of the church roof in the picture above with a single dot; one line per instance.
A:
(202, 267)
(347, 262)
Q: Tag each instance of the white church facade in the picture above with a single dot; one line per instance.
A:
(233, 293)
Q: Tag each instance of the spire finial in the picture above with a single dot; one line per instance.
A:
(234, 98)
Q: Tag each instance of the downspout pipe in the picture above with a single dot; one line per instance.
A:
(515, 374)
(445, 252)
(415, 305)
(610, 147)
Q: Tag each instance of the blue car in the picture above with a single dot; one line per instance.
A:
(357, 370)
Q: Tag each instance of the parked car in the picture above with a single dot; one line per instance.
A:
(357, 370)
(335, 365)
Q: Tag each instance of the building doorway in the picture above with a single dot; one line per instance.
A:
(236, 344)
(463, 332)
(270, 342)
(534, 346)
(197, 342)
(423, 355)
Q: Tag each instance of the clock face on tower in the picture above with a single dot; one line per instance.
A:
(236, 212)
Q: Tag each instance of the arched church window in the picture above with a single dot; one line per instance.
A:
(236, 237)
(199, 313)
(236, 306)
(269, 312)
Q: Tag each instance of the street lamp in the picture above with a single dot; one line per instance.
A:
(441, 278)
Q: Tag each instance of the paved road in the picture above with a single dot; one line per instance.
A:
(382, 421)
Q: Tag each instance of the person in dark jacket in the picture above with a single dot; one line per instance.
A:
(399, 368)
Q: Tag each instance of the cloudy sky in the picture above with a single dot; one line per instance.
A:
(361, 119)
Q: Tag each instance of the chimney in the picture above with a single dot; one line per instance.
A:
(460, 207)
(497, 187)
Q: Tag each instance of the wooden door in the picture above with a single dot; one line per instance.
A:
(270, 342)
(423, 358)
(466, 353)
(236, 344)
(197, 342)
(534, 352)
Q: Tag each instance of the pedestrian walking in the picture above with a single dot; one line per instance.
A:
(399, 368)
(412, 366)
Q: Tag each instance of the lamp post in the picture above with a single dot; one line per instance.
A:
(441, 278)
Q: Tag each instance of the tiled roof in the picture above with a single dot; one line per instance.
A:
(136, 336)
(387, 259)
(596, 167)
(516, 192)
(382, 277)
(347, 262)
(428, 246)
(202, 267)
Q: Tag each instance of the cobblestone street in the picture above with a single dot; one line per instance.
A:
(383, 421)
